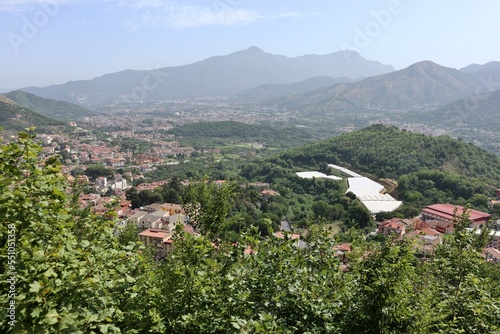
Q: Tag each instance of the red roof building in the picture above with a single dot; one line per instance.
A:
(392, 226)
(449, 212)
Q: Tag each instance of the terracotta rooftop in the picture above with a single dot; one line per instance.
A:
(280, 235)
(447, 211)
(155, 233)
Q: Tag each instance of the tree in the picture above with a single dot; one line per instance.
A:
(94, 171)
(208, 208)
(68, 270)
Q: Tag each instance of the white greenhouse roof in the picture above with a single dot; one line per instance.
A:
(368, 193)
(364, 186)
(310, 175)
(344, 170)
(381, 206)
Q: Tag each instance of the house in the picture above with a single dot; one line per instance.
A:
(101, 181)
(491, 254)
(161, 239)
(156, 220)
(301, 244)
(341, 251)
(449, 212)
(392, 226)
(268, 193)
(445, 227)
(170, 207)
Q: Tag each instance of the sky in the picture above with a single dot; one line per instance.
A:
(45, 42)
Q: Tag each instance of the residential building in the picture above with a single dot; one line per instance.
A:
(161, 239)
(392, 226)
(170, 207)
(492, 254)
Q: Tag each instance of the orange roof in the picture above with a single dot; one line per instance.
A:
(493, 252)
(345, 247)
(394, 223)
(280, 235)
(155, 233)
(269, 192)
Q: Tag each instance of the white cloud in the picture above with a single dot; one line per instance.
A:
(189, 16)
(174, 14)
(182, 16)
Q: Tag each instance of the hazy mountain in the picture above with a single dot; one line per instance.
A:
(424, 84)
(475, 119)
(215, 76)
(17, 118)
(48, 107)
(488, 76)
(273, 91)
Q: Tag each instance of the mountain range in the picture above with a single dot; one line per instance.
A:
(216, 76)
(338, 82)
(421, 85)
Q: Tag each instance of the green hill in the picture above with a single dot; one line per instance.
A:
(423, 169)
(51, 108)
(16, 118)
(389, 152)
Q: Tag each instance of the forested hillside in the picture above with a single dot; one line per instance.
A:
(15, 117)
(51, 108)
(63, 270)
(427, 170)
(389, 152)
(241, 131)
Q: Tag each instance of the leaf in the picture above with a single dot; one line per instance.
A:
(35, 287)
(50, 272)
(104, 328)
(36, 312)
(51, 317)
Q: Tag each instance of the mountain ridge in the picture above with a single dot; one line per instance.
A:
(423, 84)
(215, 76)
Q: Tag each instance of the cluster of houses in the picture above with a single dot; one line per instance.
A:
(156, 224)
(437, 220)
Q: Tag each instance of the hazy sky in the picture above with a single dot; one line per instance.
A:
(45, 42)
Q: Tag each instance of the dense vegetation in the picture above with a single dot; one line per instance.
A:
(72, 275)
(17, 118)
(428, 169)
(47, 107)
(389, 152)
(274, 136)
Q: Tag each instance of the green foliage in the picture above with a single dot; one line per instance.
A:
(433, 186)
(50, 108)
(17, 118)
(70, 274)
(74, 276)
(208, 208)
(97, 170)
(250, 132)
